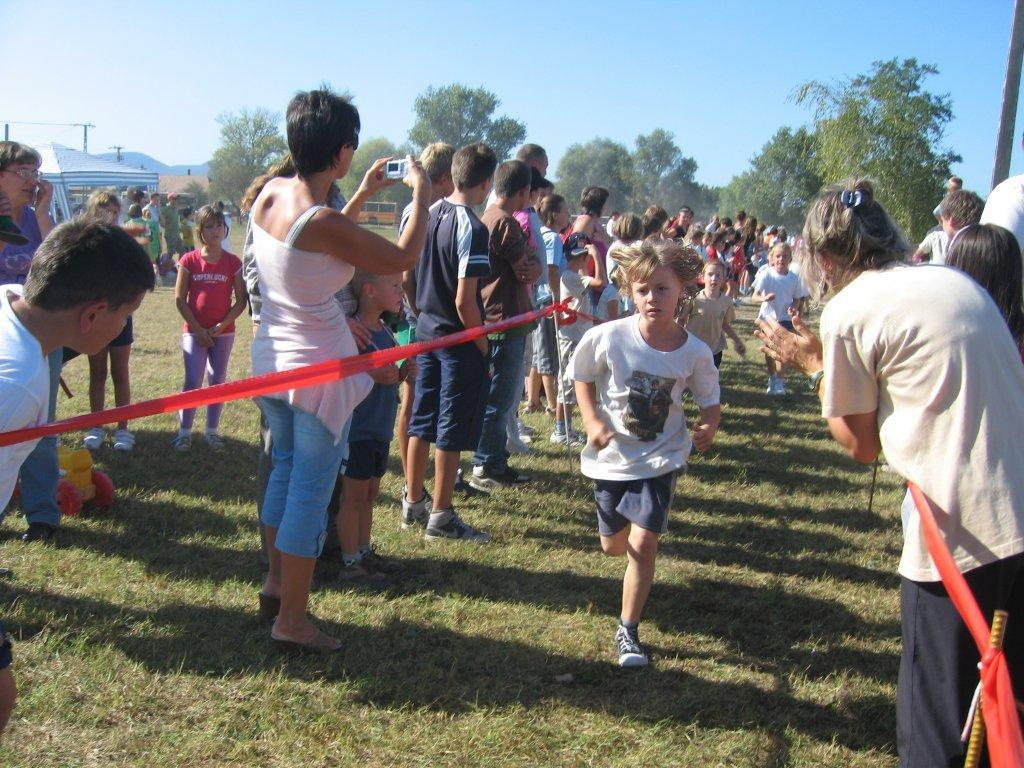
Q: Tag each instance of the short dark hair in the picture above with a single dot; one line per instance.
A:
(537, 180)
(549, 208)
(592, 200)
(511, 178)
(13, 153)
(134, 211)
(473, 165)
(962, 206)
(319, 124)
(530, 152)
(86, 260)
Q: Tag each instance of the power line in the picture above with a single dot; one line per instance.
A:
(84, 126)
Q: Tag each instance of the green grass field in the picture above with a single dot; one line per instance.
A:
(773, 619)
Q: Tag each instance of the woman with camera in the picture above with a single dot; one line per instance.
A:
(305, 253)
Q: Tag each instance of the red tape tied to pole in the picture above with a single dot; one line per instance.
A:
(1002, 724)
(296, 378)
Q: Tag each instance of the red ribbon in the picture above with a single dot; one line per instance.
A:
(269, 383)
(1002, 724)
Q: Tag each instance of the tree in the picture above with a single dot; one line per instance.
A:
(249, 143)
(461, 115)
(781, 183)
(886, 126)
(369, 150)
(599, 162)
(661, 174)
(200, 195)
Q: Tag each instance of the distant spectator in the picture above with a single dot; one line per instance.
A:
(171, 223)
(958, 209)
(151, 213)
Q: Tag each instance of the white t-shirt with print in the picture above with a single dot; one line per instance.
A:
(24, 389)
(928, 349)
(787, 289)
(640, 396)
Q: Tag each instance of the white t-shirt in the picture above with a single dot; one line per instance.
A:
(927, 347)
(935, 244)
(609, 295)
(572, 284)
(24, 389)
(1005, 207)
(640, 396)
(787, 289)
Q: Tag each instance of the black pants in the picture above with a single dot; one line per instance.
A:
(939, 665)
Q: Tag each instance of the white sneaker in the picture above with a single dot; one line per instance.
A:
(94, 438)
(182, 443)
(124, 440)
(214, 440)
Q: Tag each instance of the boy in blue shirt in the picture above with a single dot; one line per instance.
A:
(369, 437)
(452, 383)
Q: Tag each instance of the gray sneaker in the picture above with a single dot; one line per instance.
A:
(415, 512)
(631, 653)
(456, 528)
(484, 480)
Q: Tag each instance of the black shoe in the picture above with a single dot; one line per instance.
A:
(38, 532)
(462, 487)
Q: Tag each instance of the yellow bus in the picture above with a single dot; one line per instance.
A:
(379, 214)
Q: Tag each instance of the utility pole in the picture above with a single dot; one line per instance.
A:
(117, 148)
(85, 132)
(1011, 89)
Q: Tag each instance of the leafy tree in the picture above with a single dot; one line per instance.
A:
(200, 195)
(370, 150)
(886, 126)
(249, 143)
(599, 162)
(781, 182)
(661, 174)
(461, 115)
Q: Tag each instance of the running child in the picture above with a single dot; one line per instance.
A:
(369, 437)
(778, 290)
(637, 439)
(210, 294)
(712, 314)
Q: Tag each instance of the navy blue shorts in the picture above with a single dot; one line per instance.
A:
(366, 459)
(451, 395)
(126, 336)
(641, 502)
(5, 648)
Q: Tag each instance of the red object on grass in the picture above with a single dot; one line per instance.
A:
(69, 498)
(104, 486)
(1002, 724)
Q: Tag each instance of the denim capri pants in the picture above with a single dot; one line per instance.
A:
(306, 460)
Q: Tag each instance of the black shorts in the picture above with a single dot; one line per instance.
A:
(641, 502)
(366, 459)
(5, 648)
(126, 336)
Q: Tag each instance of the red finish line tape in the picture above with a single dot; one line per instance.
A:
(1002, 725)
(269, 383)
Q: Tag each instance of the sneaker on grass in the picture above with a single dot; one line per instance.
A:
(415, 512)
(182, 443)
(94, 438)
(488, 480)
(446, 524)
(358, 574)
(631, 653)
(574, 438)
(124, 441)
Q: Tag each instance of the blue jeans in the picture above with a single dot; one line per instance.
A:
(306, 460)
(40, 471)
(506, 383)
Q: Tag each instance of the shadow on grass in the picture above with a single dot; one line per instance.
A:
(401, 664)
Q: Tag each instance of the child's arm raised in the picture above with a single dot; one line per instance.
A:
(599, 434)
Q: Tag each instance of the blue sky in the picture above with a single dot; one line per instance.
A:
(154, 77)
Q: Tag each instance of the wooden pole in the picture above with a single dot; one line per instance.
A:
(1011, 90)
(977, 741)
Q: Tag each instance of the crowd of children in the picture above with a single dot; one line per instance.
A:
(653, 299)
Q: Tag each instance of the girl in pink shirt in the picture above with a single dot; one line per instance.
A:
(209, 294)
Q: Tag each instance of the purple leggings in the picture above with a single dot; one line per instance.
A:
(214, 361)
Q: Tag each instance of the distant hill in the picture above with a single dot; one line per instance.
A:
(140, 160)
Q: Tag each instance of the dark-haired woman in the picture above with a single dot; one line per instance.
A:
(917, 362)
(306, 252)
